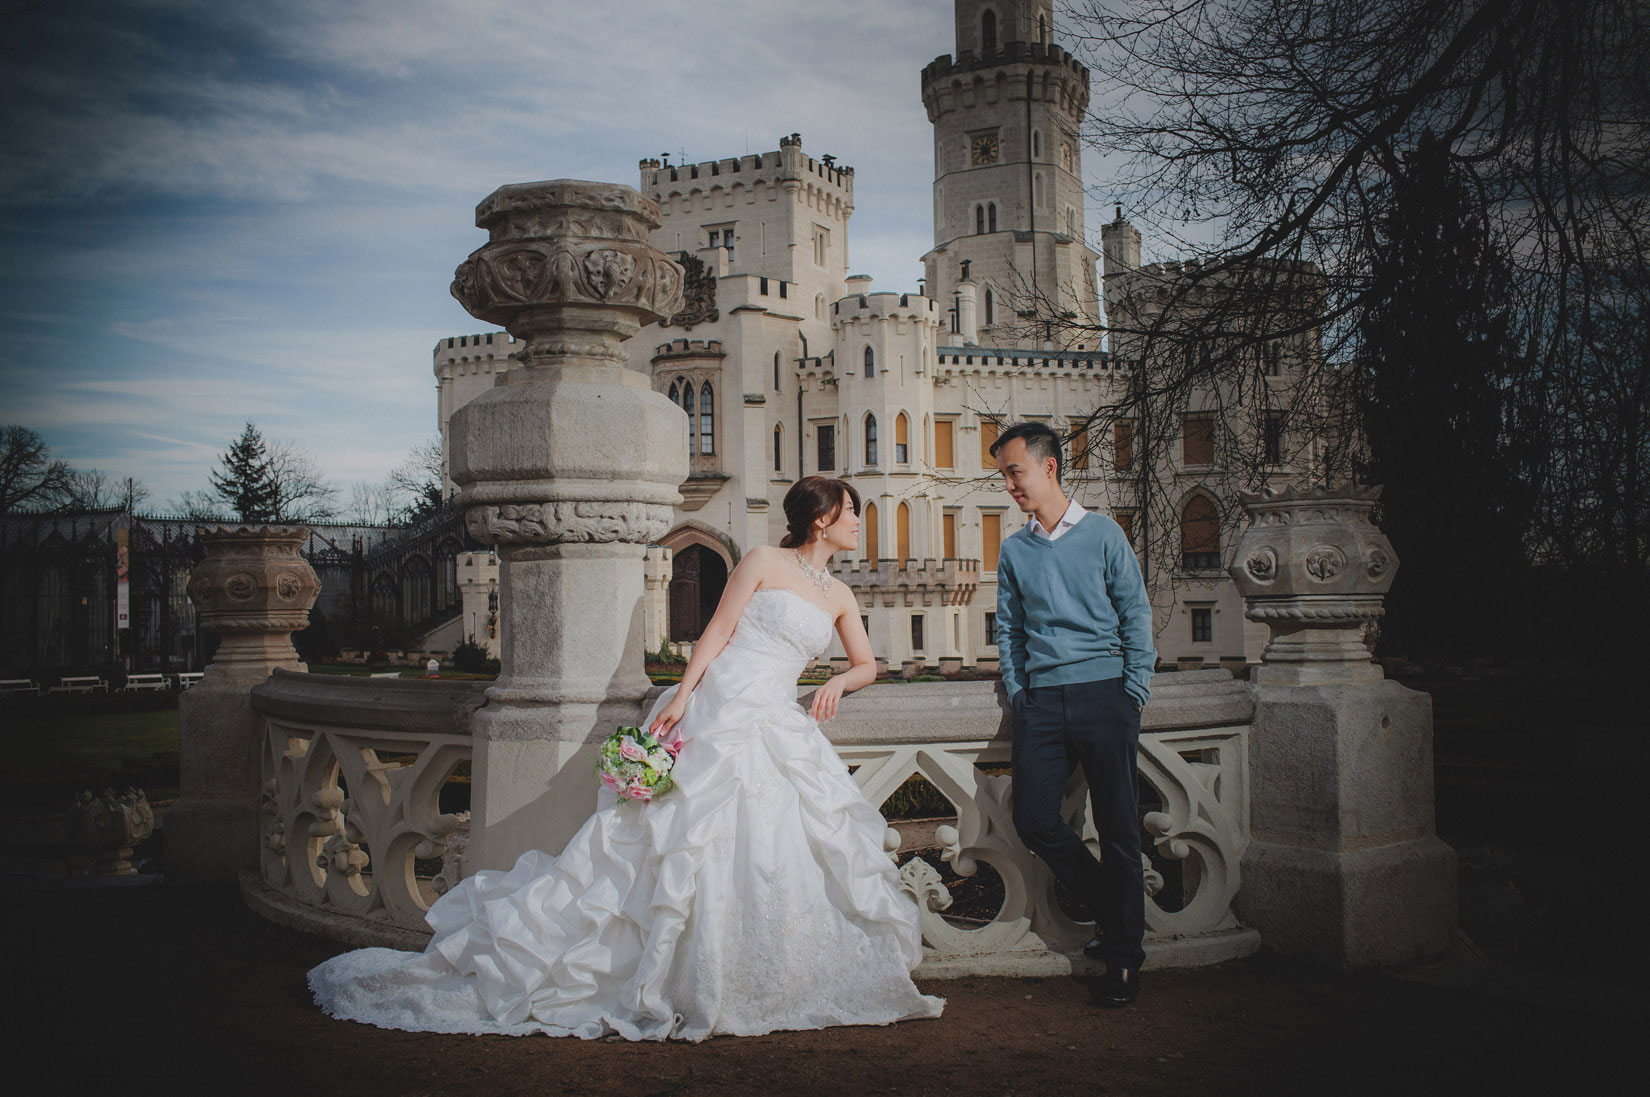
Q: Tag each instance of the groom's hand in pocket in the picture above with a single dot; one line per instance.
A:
(826, 699)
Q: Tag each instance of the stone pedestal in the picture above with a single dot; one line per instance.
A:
(1344, 867)
(570, 468)
(255, 589)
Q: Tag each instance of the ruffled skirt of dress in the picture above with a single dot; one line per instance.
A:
(753, 897)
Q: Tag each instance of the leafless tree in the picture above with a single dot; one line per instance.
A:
(29, 478)
(301, 494)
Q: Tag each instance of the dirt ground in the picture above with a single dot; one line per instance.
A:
(193, 993)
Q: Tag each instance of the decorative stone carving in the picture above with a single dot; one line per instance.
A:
(557, 523)
(255, 589)
(698, 294)
(559, 245)
(921, 881)
(1315, 570)
(105, 828)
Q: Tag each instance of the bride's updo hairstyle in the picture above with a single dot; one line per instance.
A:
(812, 498)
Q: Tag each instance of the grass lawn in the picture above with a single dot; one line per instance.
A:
(56, 754)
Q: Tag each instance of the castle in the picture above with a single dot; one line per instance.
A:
(787, 365)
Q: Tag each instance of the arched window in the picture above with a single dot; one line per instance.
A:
(1038, 197)
(990, 307)
(778, 448)
(1199, 534)
(1036, 143)
(902, 533)
(988, 33)
(687, 406)
(675, 394)
(902, 448)
(819, 306)
(1042, 30)
(869, 525)
(707, 420)
(979, 220)
(870, 363)
(991, 217)
(776, 371)
(870, 439)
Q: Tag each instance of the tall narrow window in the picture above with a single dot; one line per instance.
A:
(990, 308)
(1123, 444)
(1199, 534)
(870, 439)
(948, 534)
(979, 220)
(869, 525)
(991, 217)
(1042, 30)
(991, 539)
(707, 420)
(988, 435)
(988, 33)
(902, 430)
(687, 406)
(827, 447)
(675, 394)
(1079, 449)
(916, 632)
(1198, 440)
(870, 362)
(1273, 440)
(902, 533)
(943, 439)
(1036, 144)
(776, 371)
(778, 449)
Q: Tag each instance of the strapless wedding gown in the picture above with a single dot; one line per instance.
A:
(754, 896)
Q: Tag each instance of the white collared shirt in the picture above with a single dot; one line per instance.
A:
(1074, 514)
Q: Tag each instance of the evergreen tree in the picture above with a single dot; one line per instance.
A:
(1439, 365)
(245, 480)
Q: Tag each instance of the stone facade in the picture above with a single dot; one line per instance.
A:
(789, 365)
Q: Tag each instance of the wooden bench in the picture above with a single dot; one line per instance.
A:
(10, 687)
(188, 678)
(85, 684)
(386, 674)
(137, 682)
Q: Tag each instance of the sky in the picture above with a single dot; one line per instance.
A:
(215, 211)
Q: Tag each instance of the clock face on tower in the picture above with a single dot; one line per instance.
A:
(985, 148)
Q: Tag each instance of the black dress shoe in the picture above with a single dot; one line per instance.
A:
(1119, 988)
(1096, 948)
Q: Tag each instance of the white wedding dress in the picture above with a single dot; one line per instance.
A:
(754, 896)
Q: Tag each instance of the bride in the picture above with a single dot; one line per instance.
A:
(755, 896)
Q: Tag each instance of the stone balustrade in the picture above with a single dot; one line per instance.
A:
(352, 770)
(950, 582)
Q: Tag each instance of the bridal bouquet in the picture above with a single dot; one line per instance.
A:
(637, 766)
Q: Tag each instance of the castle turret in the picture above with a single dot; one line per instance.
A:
(1008, 186)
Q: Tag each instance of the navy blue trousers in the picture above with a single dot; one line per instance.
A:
(1094, 725)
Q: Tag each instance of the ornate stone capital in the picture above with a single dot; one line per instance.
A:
(569, 521)
(568, 268)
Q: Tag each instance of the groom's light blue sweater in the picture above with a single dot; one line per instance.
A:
(1073, 610)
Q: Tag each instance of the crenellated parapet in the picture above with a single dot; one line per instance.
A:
(951, 83)
(785, 171)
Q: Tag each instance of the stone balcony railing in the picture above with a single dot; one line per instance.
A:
(353, 768)
(913, 581)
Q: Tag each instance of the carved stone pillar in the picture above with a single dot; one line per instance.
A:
(255, 589)
(571, 469)
(1344, 867)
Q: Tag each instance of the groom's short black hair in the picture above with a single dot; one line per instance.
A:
(1041, 443)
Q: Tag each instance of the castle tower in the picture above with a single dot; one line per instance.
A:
(1008, 190)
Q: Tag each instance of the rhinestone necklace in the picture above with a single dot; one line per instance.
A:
(820, 579)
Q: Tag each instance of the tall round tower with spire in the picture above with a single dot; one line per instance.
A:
(1008, 185)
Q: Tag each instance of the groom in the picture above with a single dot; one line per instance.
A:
(1074, 634)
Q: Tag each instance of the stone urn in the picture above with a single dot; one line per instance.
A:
(1314, 569)
(255, 590)
(105, 828)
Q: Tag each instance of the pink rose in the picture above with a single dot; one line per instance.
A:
(638, 792)
(630, 750)
(671, 740)
(612, 783)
